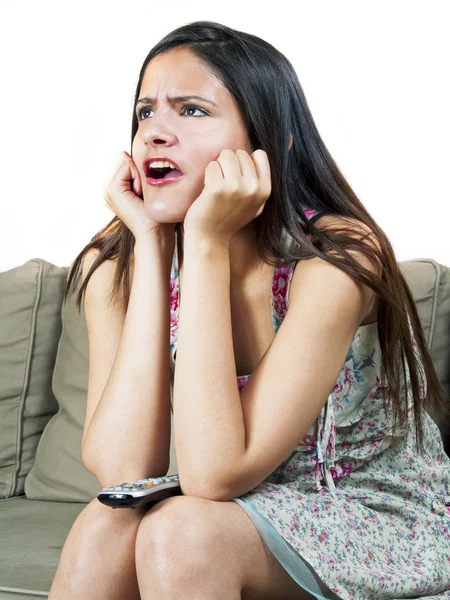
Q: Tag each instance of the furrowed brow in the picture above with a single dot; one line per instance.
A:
(175, 100)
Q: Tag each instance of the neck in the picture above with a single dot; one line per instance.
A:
(245, 263)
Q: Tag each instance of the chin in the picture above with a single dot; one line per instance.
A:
(161, 213)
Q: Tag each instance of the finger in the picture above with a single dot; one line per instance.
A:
(229, 164)
(260, 210)
(114, 167)
(136, 183)
(213, 175)
(262, 166)
(248, 169)
(127, 172)
(118, 162)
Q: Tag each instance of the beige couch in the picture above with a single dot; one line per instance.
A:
(44, 358)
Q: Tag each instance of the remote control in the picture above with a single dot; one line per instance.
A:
(136, 493)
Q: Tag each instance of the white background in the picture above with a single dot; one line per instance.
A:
(375, 75)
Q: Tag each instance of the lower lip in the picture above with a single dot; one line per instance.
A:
(163, 180)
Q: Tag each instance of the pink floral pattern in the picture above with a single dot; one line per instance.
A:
(368, 513)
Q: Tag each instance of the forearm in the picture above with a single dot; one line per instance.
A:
(129, 435)
(208, 419)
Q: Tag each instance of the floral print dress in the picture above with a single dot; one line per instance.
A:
(354, 512)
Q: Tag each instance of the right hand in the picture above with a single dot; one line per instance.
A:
(122, 193)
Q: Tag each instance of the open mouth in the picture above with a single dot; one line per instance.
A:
(164, 173)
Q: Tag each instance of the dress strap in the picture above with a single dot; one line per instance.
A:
(314, 218)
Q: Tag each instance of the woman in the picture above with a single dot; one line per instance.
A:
(308, 463)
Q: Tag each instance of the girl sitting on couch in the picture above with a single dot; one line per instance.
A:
(309, 465)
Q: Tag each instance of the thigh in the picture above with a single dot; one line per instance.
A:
(225, 537)
(263, 577)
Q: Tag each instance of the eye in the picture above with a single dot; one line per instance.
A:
(187, 106)
(141, 111)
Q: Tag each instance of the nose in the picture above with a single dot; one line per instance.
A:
(158, 131)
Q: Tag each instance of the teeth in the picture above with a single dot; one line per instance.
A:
(160, 164)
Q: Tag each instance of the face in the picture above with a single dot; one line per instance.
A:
(191, 136)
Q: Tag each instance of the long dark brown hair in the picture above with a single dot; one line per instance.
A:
(273, 105)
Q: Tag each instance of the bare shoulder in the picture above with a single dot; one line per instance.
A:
(337, 221)
(100, 283)
(359, 230)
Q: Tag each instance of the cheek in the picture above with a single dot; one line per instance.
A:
(135, 148)
(138, 159)
(203, 158)
(233, 140)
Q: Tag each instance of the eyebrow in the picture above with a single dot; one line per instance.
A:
(175, 100)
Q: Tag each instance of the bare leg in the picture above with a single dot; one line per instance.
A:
(97, 561)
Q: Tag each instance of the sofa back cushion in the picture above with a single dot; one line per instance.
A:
(30, 328)
(58, 472)
(429, 282)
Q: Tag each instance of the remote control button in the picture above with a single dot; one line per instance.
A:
(150, 484)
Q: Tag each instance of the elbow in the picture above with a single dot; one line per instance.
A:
(111, 478)
(111, 471)
(86, 461)
(203, 490)
(87, 458)
(222, 489)
(94, 471)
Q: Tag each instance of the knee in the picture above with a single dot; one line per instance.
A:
(98, 537)
(173, 518)
(174, 526)
(99, 516)
(98, 523)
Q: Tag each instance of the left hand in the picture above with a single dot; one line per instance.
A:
(237, 186)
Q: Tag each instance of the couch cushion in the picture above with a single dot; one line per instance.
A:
(31, 544)
(58, 473)
(30, 328)
(429, 282)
